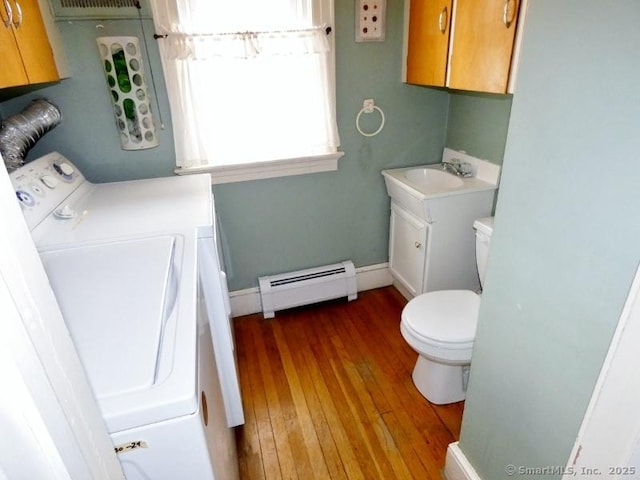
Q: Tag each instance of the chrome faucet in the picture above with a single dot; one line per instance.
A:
(450, 166)
(455, 166)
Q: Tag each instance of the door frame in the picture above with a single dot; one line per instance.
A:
(608, 441)
(51, 424)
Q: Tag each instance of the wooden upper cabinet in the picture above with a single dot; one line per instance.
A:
(12, 71)
(462, 44)
(428, 43)
(482, 45)
(27, 56)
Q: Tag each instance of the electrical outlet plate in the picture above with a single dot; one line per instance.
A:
(370, 20)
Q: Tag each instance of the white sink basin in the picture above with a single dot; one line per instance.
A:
(417, 189)
(433, 179)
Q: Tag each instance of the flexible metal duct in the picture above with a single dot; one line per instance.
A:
(20, 132)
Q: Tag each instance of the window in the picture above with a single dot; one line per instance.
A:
(251, 85)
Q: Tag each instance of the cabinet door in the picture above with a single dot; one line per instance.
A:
(407, 249)
(428, 42)
(482, 47)
(12, 72)
(33, 42)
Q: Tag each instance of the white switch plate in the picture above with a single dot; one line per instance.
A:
(370, 20)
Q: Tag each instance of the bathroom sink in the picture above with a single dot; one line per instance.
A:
(417, 188)
(433, 179)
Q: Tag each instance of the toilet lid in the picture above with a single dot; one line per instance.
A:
(449, 316)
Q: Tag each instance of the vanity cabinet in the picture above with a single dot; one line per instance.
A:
(436, 251)
(408, 236)
(431, 237)
(462, 44)
(27, 55)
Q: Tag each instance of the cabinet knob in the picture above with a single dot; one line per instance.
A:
(442, 20)
(507, 15)
(418, 245)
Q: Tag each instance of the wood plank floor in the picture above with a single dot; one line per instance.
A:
(327, 393)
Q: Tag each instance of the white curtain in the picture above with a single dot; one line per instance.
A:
(248, 81)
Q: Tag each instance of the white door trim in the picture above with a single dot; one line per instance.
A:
(456, 466)
(607, 442)
(51, 424)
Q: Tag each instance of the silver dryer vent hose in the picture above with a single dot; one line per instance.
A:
(20, 132)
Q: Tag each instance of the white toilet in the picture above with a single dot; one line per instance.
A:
(441, 327)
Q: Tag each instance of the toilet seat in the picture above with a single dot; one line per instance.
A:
(442, 324)
(446, 316)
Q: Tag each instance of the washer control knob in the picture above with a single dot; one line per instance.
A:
(25, 198)
(49, 181)
(66, 169)
(65, 212)
(37, 189)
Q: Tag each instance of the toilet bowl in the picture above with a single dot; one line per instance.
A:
(441, 327)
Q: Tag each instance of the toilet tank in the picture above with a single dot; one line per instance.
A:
(484, 229)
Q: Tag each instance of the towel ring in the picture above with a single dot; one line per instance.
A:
(369, 107)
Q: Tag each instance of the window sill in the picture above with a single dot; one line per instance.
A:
(273, 169)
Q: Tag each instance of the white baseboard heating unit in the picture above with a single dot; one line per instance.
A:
(304, 287)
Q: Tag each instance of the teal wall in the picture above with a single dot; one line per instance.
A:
(565, 245)
(478, 124)
(87, 134)
(273, 225)
(282, 224)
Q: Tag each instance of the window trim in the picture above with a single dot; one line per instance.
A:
(267, 169)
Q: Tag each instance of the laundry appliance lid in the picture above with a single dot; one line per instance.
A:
(123, 307)
(136, 207)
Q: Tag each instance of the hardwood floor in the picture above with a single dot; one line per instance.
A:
(328, 394)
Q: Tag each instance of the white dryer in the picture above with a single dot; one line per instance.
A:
(136, 272)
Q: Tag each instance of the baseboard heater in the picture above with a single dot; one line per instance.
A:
(303, 287)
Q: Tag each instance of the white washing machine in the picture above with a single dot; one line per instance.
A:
(136, 272)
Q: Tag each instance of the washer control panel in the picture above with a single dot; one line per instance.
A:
(43, 185)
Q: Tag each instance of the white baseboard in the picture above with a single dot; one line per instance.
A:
(373, 276)
(402, 289)
(457, 467)
(246, 302)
